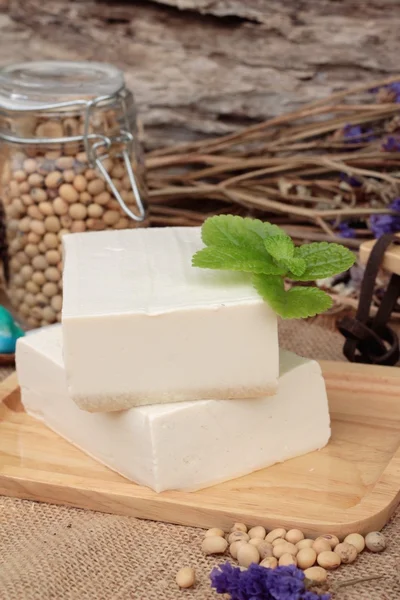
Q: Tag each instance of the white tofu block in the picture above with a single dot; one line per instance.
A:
(188, 445)
(142, 326)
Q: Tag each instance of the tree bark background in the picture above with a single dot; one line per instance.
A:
(206, 67)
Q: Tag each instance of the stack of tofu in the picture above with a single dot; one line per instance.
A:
(170, 375)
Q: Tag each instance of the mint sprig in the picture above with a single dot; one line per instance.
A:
(241, 244)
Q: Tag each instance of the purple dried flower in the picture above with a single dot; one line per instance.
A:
(381, 224)
(259, 583)
(350, 180)
(355, 135)
(392, 88)
(391, 144)
(345, 231)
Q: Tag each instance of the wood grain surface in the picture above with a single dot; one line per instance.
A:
(351, 485)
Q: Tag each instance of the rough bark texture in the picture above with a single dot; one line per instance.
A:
(203, 67)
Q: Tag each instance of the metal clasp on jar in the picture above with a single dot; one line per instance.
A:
(93, 142)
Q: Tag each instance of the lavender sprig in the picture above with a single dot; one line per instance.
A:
(260, 583)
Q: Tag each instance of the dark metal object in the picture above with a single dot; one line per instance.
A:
(369, 339)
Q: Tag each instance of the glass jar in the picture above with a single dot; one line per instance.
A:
(70, 161)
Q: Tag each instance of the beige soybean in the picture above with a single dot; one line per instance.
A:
(27, 199)
(321, 545)
(331, 539)
(294, 536)
(347, 552)
(52, 224)
(328, 560)
(26, 272)
(247, 555)
(53, 257)
(269, 563)
(316, 574)
(111, 217)
(39, 263)
(278, 541)
(37, 226)
(65, 162)
(38, 195)
(123, 223)
(213, 545)
(90, 174)
(103, 199)
(68, 193)
(48, 314)
(33, 238)
(239, 527)
(51, 240)
(60, 206)
(29, 299)
(24, 225)
(234, 546)
(66, 221)
(42, 247)
(46, 208)
(285, 548)
(286, 560)
(85, 198)
(52, 274)
(275, 534)
(95, 211)
(32, 287)
(50, 289)
(185, 577)
(306, 558)
(307, 543)
(80, 183)
(38, 278)
(77, 212)
(375, 541)
(24, 309)
(215, 531)
(69, 176)
(96, 186)
(30, 165)
(19, 175)
(31, 250)
(257, 532)
(78, 227)
(35, 180)
(265, 549)
(35, 213)
(56, 303)
(53, 179)
(357, 540)
(238, 535)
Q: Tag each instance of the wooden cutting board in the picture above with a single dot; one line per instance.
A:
(351, 485)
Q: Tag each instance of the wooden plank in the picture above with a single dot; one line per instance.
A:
(391, 260)
(351, 485)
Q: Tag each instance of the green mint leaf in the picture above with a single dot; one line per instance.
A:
(296, 303)
(230, 230)
(235, 243)
(323, 259)
(236, 259)
(296, 267)
(280, 247)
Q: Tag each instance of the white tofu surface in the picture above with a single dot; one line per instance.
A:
(188, 445)
(142, 326)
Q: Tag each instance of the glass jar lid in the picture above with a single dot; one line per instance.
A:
(34, 85)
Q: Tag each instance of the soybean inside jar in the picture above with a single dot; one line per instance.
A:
(70, 161)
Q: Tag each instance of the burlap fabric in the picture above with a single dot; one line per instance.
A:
(57, 553)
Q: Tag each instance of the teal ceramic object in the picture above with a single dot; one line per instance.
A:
(9, 332)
